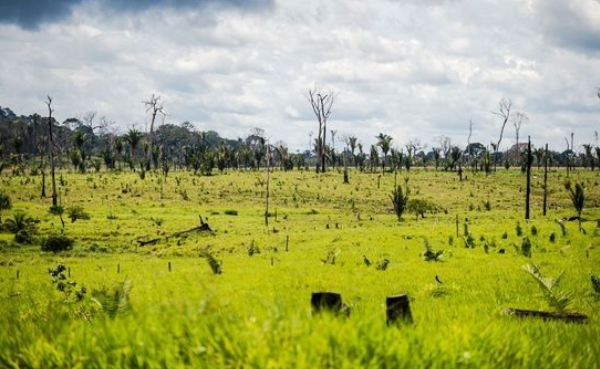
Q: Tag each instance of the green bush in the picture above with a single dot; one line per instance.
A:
(22, 237)
(57, 243)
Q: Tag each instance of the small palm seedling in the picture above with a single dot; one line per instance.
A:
(253, 249)
(22, 226)
(215, 265)
(366, 260)
(382, 264)
(114, 301)
(526, 247)
(331, 257)
(558, 300)
(76, 212)
(577, 196)
(430, 254)
(400, 199)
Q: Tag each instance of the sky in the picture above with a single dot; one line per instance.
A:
(414, 69)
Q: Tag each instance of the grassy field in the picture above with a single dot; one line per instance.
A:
(257, 313)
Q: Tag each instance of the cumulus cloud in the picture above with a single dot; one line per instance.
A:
(412, 69)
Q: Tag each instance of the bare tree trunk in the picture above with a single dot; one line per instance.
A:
(545, 180)
(50, 147)
(528, 189)
(268, 181)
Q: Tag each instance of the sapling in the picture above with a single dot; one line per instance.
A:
(558, 300)
(577, 196)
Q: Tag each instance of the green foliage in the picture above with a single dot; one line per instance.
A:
(577, 196)
(419, 207)
(253, 248)
(382, 264)
(534, 230)
(114, 301)
(56, 210)
(400, 200)
(595, 286)
(430, 254)
(331, 257)
(76, 212)
(57, 243)
(558, 300)
(5, 204)
(519, 229)
(526, 247)
(21, 222)
(231, 212)
(23, 237)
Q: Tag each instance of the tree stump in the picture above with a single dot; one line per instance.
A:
(326, 301)
(398, 309)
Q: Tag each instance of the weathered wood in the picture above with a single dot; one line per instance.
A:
(547, 315)
(326, 301)
(203, 227)
(398, 309)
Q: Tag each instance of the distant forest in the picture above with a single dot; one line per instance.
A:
(90, 143)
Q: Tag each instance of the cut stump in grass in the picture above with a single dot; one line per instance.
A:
(328, 302)
(548, 315)
(398, 310)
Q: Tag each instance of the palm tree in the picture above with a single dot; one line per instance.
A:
(577, 196)
(384, 142)
(352, 141)
(374, 157)
(437, 154)
(5, 204)
(133, 137)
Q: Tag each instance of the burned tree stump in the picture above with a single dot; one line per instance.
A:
(547, 315)
(398, 310)
(326, 302)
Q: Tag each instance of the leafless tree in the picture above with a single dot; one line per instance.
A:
(518, 120)
(51, 151)
(445, 145)
(153, 106)
(504, 107)
(321, 103)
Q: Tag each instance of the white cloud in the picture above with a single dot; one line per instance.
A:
(413, 69)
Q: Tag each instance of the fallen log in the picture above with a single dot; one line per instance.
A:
(548, 315)
(203, 227)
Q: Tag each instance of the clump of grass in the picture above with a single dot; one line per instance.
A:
(76, 212)
(57, 243)
(534, 230)
(595, 286)
(519, 229)
(253, 249)
(114, 301)
(231, 212)
(526, 247)
(430, 254)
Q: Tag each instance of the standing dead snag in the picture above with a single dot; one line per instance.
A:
(504, 112)
(50, 148)
(398, 309)
(268, 180)
(321, 103)
(152, 105)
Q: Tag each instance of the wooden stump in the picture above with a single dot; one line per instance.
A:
(547, 315)
(398, 309)
(326, 301)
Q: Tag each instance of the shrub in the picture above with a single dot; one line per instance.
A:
(76, 212)
(519, 229)
(400, 200)
(22, 237)
(57, 243)
(231, 212)
(419, 207)
(526, 247)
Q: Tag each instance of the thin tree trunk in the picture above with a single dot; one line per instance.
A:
(528, 190)
(50, 147)
(545, 180)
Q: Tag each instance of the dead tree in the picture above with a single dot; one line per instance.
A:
(504, 112)
(321, 103)
(152, 105)
(518, 120)
(51, 151)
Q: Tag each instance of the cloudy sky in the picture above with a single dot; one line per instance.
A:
(414, 69)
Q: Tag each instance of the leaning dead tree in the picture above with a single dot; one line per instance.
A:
(154, 107)
(321, 103)
(504, 112)
(51, 151)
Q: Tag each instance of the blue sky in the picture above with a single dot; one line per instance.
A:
(414, 69)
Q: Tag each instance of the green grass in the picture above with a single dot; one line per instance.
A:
(257, 313)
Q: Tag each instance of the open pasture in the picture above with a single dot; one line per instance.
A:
(175, 311)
